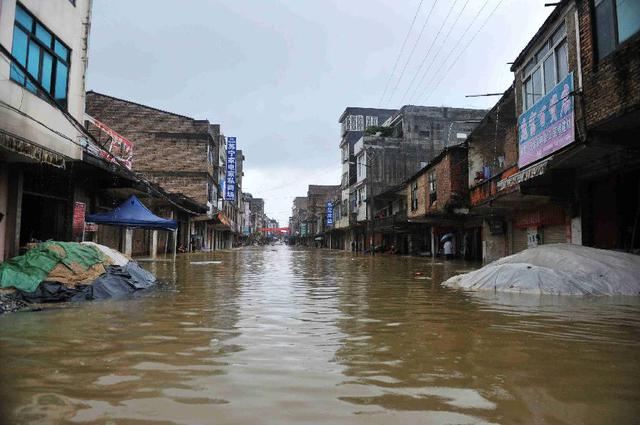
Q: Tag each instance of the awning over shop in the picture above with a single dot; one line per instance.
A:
(223, 219)
(132, 213)
(524, 175)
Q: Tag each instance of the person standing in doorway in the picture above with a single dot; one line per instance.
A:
(448, 249)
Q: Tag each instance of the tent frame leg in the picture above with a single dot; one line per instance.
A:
(175, 244)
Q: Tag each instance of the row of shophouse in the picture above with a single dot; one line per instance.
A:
(555, 160)
(66, 152)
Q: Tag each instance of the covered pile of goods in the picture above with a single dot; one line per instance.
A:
(68, 271)
(557, 269)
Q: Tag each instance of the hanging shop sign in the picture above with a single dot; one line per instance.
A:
(119, 150)
(31, 150)
(230, 179)
(79, 210)
(329, 213)
(524, 175)
(548, 125)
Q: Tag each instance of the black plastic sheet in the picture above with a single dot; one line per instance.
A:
(115, 283)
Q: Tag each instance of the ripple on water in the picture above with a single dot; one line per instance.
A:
(291, 336)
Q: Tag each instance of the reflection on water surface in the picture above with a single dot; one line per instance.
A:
(277, 335)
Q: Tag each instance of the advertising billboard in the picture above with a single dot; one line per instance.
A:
(548, 125)
(329, 213)
(230, 179)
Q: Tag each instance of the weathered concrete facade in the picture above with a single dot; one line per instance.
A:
(40, 139)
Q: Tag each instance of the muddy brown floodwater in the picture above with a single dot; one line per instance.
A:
(279, 335)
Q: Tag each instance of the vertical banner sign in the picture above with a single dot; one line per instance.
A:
(79, 209)
(548, 125)
(230, 181)
(329, 214)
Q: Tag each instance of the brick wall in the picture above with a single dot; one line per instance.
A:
(456, 161)
(194, 187)
(451, 181)
(170, 149)
(611, 85)
(511, 145)
(423, 196)
(451, 184)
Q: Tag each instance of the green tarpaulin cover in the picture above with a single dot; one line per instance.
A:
(25, 272)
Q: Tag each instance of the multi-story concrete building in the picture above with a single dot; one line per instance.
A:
(43, 45)
(297, 226)
(315, 219)
(388, 155)
(353, 123)
(257, 214)
(246, 214)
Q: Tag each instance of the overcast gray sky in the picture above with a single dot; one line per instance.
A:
(278, 74)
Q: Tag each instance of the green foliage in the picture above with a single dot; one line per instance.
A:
(375, 129)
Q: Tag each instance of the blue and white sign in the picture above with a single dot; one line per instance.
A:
(329, 213)
(230, 181)
(548, 125)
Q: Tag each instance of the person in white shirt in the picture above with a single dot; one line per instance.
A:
(448, 249)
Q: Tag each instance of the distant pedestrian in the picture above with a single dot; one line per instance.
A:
(448, 249)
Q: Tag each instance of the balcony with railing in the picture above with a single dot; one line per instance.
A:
(488, 189)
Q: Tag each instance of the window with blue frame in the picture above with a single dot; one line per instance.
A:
(44, 55)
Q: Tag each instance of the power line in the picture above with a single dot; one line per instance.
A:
(413, 49)
(465, 48)
(80, 128)
(454, 47)
(433, 42)
(395, 65)
(433, 58)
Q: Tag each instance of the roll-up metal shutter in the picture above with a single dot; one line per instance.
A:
(519, 240)
(554, 234)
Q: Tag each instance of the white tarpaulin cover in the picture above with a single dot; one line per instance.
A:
(560, 269)
(116, 256)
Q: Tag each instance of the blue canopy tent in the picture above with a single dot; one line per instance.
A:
(133, 214)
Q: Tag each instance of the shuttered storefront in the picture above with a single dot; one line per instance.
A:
(519, 240)
(554, 234)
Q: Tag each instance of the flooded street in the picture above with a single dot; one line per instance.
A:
(279, 335)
